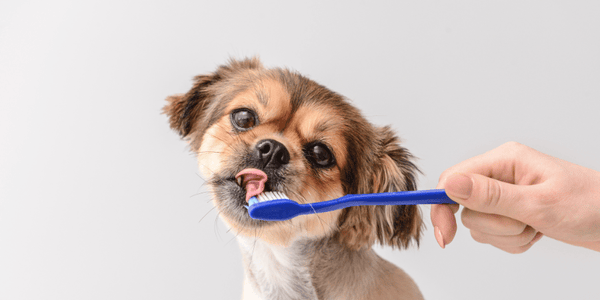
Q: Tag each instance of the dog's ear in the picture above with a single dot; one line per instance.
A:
(186, 110)
(392, 225)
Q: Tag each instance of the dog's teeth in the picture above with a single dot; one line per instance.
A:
(239, 180)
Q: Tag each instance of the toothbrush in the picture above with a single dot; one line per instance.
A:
(275, 206)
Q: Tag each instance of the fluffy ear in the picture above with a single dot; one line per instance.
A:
(395, 226)
(186, 110)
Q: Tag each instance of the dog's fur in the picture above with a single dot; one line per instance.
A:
(324, 256)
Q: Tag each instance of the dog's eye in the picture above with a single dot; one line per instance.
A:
(319, 155)
(243, 119)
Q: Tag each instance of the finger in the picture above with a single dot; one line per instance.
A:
(491, 223)
(444, 222)
(515, 250)
(491, 196)
(499, 163)
(521, 249)
(506, 241)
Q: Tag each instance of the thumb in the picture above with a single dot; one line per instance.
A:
(487, 195)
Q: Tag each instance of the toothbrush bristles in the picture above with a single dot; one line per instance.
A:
(268, 196)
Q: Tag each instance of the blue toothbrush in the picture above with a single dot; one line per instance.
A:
(275, 206)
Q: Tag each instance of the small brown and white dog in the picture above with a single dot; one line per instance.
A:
(312, 145)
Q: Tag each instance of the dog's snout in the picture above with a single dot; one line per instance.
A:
(272, 154)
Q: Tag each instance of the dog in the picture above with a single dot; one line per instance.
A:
(257, 129)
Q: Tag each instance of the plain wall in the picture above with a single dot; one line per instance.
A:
(99, 199)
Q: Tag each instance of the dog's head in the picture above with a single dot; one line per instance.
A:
(246, 121)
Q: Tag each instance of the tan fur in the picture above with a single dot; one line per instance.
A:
(360, 274)
(318, 256)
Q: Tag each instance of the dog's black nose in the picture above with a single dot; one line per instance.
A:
(272, 154)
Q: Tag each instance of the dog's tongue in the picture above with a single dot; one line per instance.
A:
(253, 181)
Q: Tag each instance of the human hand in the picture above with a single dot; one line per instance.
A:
(513, 195)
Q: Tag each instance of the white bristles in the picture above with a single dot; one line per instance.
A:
(268, 196)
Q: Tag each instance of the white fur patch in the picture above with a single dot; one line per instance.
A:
(209, 154)
(280, 272)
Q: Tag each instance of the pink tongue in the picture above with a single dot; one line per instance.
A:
(254, 181)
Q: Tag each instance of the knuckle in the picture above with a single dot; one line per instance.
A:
(511, 226)
(478, 237)
(524, 238)
(513, 229)
(516, 250)
(523, 249)
(521, 228)
(513, 145)
(466, 216)
(514, 148)
(493, 193)
(444, 175)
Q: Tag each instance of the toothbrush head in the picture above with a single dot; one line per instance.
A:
(275, 210)
(273, 207)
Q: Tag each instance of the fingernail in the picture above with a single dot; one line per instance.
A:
(438, 237)
(459, 185)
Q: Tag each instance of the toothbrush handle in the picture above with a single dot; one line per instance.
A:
(394, 198)
(404, 198)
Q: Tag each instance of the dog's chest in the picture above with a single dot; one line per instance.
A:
(278, 272)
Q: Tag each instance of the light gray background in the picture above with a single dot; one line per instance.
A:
(99, 199)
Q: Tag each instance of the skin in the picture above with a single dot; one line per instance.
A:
(513, 195)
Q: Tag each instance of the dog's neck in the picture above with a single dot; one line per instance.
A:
(277, 272)
(307, 269)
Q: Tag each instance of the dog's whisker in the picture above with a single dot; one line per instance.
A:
(216, 228)
(316, 214)
(205, 152)
(254, 245)
(197, 194)
(231, 239)
(234, 237)
(207, 169)
(213, 208)
(231, 133)
(253, 134)
(228, 144)
(201, 177)
(333, 225)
